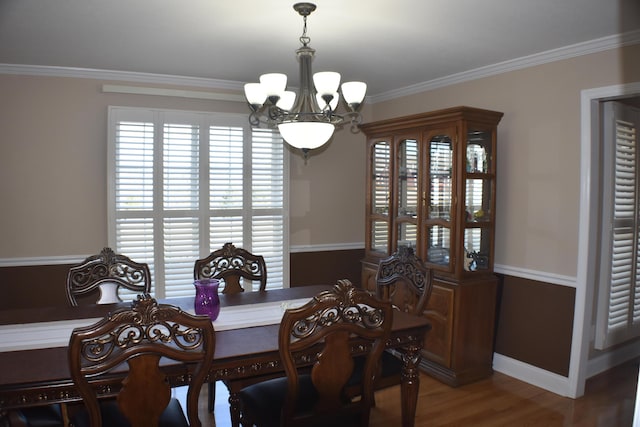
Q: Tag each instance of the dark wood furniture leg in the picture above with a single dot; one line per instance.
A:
(234, 408)
(410, 384)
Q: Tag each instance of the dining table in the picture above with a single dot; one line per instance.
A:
(34, 369)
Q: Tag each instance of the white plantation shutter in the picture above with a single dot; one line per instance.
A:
(183, 184)
(133, 196)
(618, 316)
(267, 189)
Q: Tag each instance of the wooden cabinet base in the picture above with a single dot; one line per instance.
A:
(451, 377)
(459, 348)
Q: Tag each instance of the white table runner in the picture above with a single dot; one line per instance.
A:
(30, 336)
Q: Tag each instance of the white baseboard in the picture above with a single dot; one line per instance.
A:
(538, 377)
(608, 360)
(559, 384)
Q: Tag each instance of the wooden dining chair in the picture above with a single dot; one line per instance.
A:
(324, 334)
(229, 264)
(141, 336)
(403, 279)
(104, 274)
(101, 276)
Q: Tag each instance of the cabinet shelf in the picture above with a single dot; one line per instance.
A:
(479, 175)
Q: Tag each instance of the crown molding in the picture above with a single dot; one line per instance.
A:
(125, 76)
(176, 93)
(579, 49)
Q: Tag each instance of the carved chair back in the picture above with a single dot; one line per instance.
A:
(323, 332)
(229, 264)
(403, 279)
(107, 272)
(141, 336)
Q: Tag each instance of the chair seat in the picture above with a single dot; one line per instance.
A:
(173, 416)
(266, 399)
(391, 365)
(42, 416)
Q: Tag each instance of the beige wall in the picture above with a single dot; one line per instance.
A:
(538, 187)
(327, 193)
(53, 178)
(53, 161)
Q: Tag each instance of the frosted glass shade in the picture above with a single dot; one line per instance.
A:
(354, 92)
(326, 82)
(286, 100)
(255, 94)
(307, 135)
(273, 84)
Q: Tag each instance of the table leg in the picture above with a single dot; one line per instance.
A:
(410, 385)
(234, 408)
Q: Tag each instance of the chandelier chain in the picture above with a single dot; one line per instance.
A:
(304, 39)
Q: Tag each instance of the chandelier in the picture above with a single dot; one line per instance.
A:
(307, 119)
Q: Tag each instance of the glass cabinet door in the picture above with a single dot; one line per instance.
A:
(479, 203)
(380, 196)
(439, 199)
(407, 193)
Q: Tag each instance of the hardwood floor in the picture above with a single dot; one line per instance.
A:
(498, 401)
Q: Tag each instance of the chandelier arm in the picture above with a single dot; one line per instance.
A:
(275, 113)
(254, 119)
(355, 121)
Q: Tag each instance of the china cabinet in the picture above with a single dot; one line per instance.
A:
(431, 184)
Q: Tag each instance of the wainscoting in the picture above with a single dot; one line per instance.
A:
(43, 285)
(534, 319)
(535, 323)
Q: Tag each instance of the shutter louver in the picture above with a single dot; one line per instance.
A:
(134, 171)
(381, 162)
(180, 167)
(267, 190)
(624, 227)
(226, 167)
(181, 249)
(381, 195)
(225, 229)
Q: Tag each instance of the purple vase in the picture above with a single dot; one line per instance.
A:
(206, 300)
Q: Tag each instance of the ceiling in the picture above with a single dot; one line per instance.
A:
(388, 44)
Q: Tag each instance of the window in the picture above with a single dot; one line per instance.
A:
(618, 315)
(182, 184)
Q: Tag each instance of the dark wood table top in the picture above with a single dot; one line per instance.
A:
(48, 314)
(49, 365)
